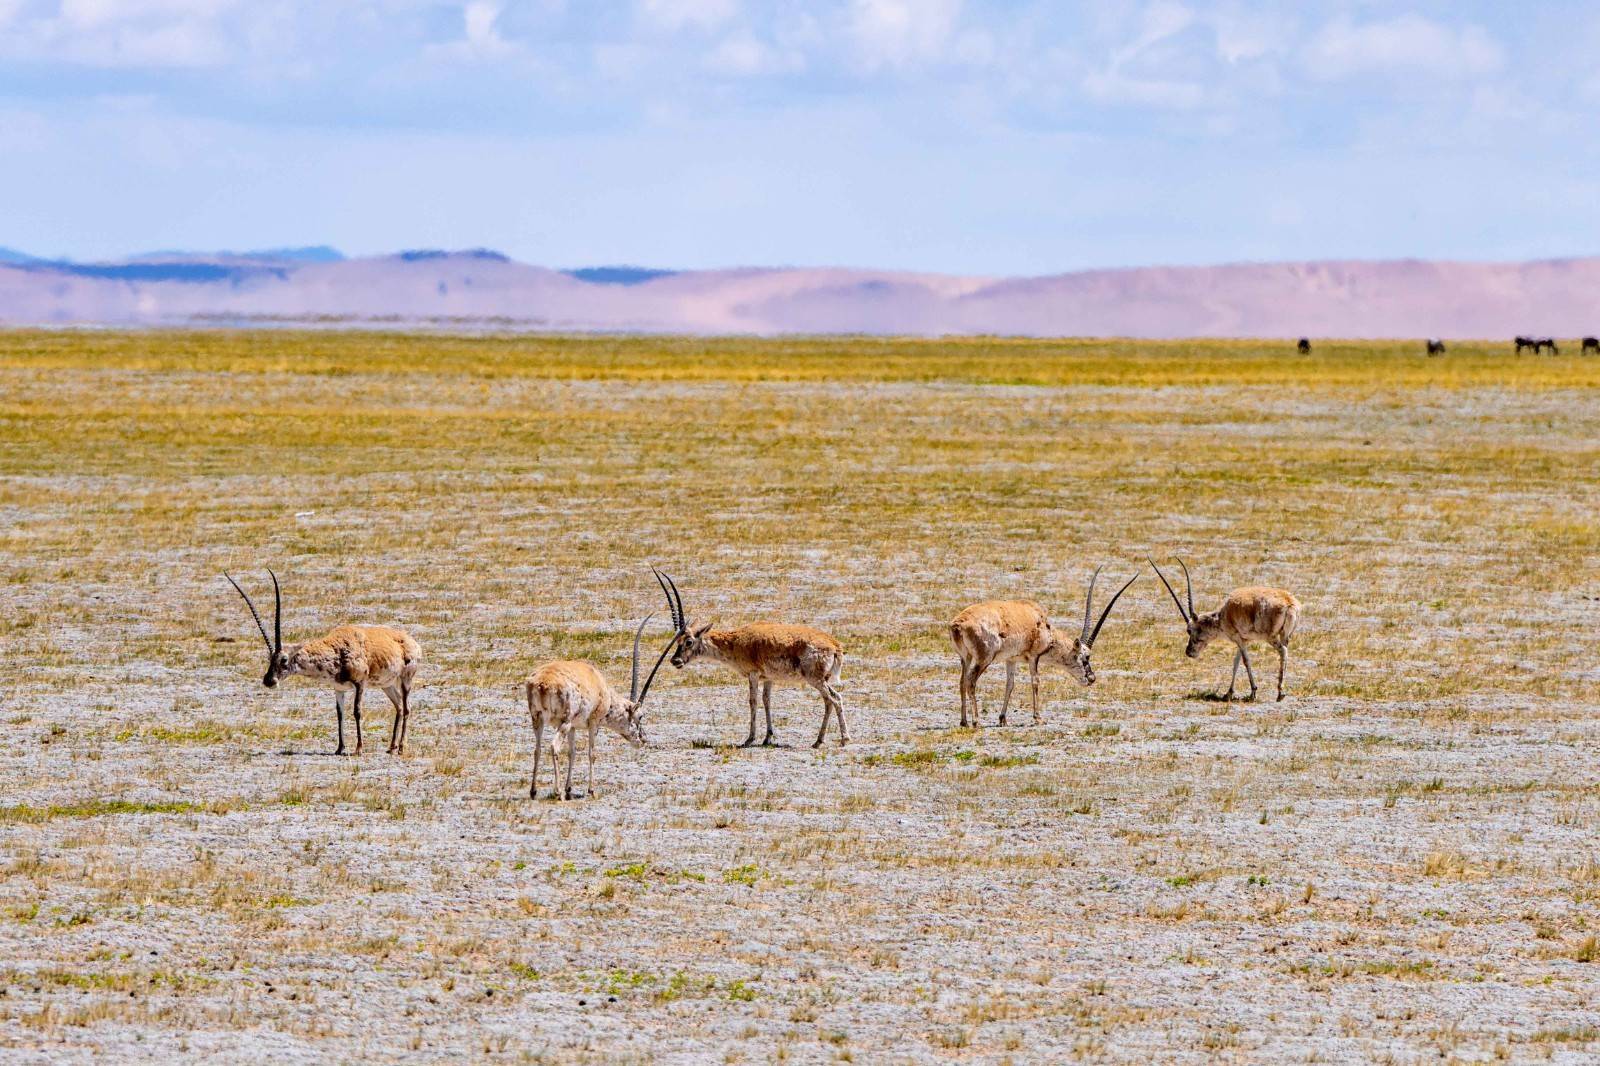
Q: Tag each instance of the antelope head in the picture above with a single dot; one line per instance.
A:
(1202, 628)
(626, 717)
(687, 645)
(1073, 654)
(279, 660)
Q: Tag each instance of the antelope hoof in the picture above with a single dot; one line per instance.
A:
(770, 741)
(749, 741)
(818, 743)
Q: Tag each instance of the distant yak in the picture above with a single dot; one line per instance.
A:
(1435, 347)
(1526, 342)
(1591, 344)
(1304, 346)
(1546, 342)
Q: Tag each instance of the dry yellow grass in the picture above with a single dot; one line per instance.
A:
(1395, 862)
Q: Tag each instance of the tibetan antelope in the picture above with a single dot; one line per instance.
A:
(1013, 631)
(351, 658)
(1246, 616)
(1304, 347)
(571, 695)
(1526, 342)
(764, 652)
(1591, 344)
(1435, 347)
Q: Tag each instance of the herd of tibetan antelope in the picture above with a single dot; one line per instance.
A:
(572, 697)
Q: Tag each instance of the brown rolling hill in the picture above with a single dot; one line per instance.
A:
(484, 290)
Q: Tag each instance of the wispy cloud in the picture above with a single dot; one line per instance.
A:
(1406, 46)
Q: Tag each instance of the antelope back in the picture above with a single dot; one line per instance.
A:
(1260, 613)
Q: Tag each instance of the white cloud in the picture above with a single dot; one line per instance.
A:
(1125, 79)
(899, 33)
(678, 14)
(480, 35)
(743, 55)
(1409, 44)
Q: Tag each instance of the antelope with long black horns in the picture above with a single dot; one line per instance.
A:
(766, 653)
(351, 659)
(1256, 613)
(1013, 631)
(568, 695)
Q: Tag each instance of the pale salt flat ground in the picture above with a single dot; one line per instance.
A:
(1395, 864)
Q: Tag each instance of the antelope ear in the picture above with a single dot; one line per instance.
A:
(703, 629)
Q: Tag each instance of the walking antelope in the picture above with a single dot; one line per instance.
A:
(570, 694)
(351, 658)
(1012, 631)
(764, 652)
(1246, 616)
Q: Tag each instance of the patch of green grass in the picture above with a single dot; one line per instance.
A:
(25, 813)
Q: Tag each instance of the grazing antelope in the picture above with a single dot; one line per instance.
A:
(764, 652)
(1304, 347)
(1246, 616)
(1435, 347)
(351, 658)
(1010, 631)
(1527, 342)
(568, 695)
(1546, 342)
(1591, 344)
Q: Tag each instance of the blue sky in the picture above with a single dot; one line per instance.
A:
(969, 136)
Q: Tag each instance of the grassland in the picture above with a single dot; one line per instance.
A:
(1395, 864)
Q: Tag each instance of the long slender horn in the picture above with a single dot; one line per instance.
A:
(1188, 586)
(1175, 601)
(1093, 636)
(1088, 602)
(683, 616)
(650, 678)
(277, 614)
(633, 685)
(253, 612)
(672, 605)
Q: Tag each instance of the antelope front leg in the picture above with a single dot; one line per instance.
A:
(1283, 658)
(355, 708)
(1034, 674)
(1011, 681)
(1234, 678)
(1249, 673)
(338, 706)
(405, 714)
(538, 750)
(766, 703)
(755, 684)
(588, 787)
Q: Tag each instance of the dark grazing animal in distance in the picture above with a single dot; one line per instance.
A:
(1304, 346)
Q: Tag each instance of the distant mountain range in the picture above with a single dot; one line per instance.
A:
(483, 289)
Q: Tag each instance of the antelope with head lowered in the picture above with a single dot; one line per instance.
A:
(1246, 616)
(568, 695)
(1012, 631)
(351, 658)
(765, 653)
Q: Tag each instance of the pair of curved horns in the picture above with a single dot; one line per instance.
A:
(1089, 635)
(674, 600)
(1188, 589)
(275, 643)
